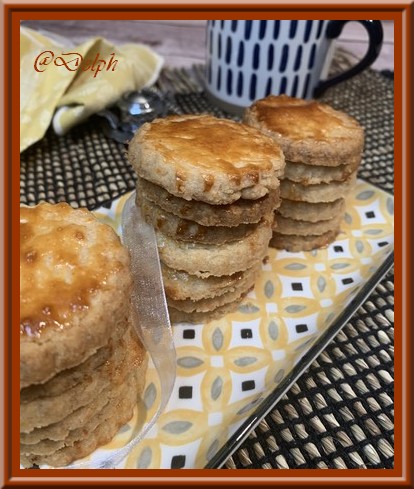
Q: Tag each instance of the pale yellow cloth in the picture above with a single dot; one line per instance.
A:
(65, 98)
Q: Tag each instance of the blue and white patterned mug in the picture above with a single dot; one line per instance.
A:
(250, 59)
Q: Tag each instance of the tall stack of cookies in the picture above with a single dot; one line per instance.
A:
(82, 367)
(323, 149)
(209, 187)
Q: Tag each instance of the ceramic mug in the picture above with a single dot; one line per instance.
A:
(250, 59)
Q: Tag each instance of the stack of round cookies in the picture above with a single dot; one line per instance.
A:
(323, 149)
(82, 367)
(209, 187)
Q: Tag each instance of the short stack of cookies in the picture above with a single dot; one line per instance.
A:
(82, 367)
(323, 149)
(209, 187)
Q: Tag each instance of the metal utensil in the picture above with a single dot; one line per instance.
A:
(131, 111)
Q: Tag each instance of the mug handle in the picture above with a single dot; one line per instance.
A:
(376, 36)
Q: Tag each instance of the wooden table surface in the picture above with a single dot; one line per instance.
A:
(182, 42)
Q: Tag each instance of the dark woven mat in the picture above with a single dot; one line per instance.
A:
(340, 413)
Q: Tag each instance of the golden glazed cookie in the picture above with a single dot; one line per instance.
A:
(295, 243)
(320, 192)
(307, 131)
(312, 174)
(177, 316)
(315, 212)
(74, 288)
(207, 159)
(213, 303)
(186, 230)
(204, 260)
(48, 447)
(66, 379)
(79, 417)
(241, 211)
(286, 225)
(121, 412)
(180, 285)
(44, 411)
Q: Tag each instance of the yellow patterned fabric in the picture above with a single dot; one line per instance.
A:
(64, 84)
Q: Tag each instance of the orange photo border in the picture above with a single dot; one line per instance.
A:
(401, 475)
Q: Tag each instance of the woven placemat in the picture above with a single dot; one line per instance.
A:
(340, 413)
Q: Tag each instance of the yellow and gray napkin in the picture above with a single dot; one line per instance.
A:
(63, 84)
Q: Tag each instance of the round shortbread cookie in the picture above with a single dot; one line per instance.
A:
(294, 243)
(242, 211)
(305, 211)
(79, 417)
(307, 131)
(122, 411)
(184, 230)
(289, 226)
(177, 316)
(200, 157)
(321, 192)
(49, 410)
(212, 303)
(66, 379)
(312, 174)
(74, 287)
(226, 259)
(180, 285)
(48, 447)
